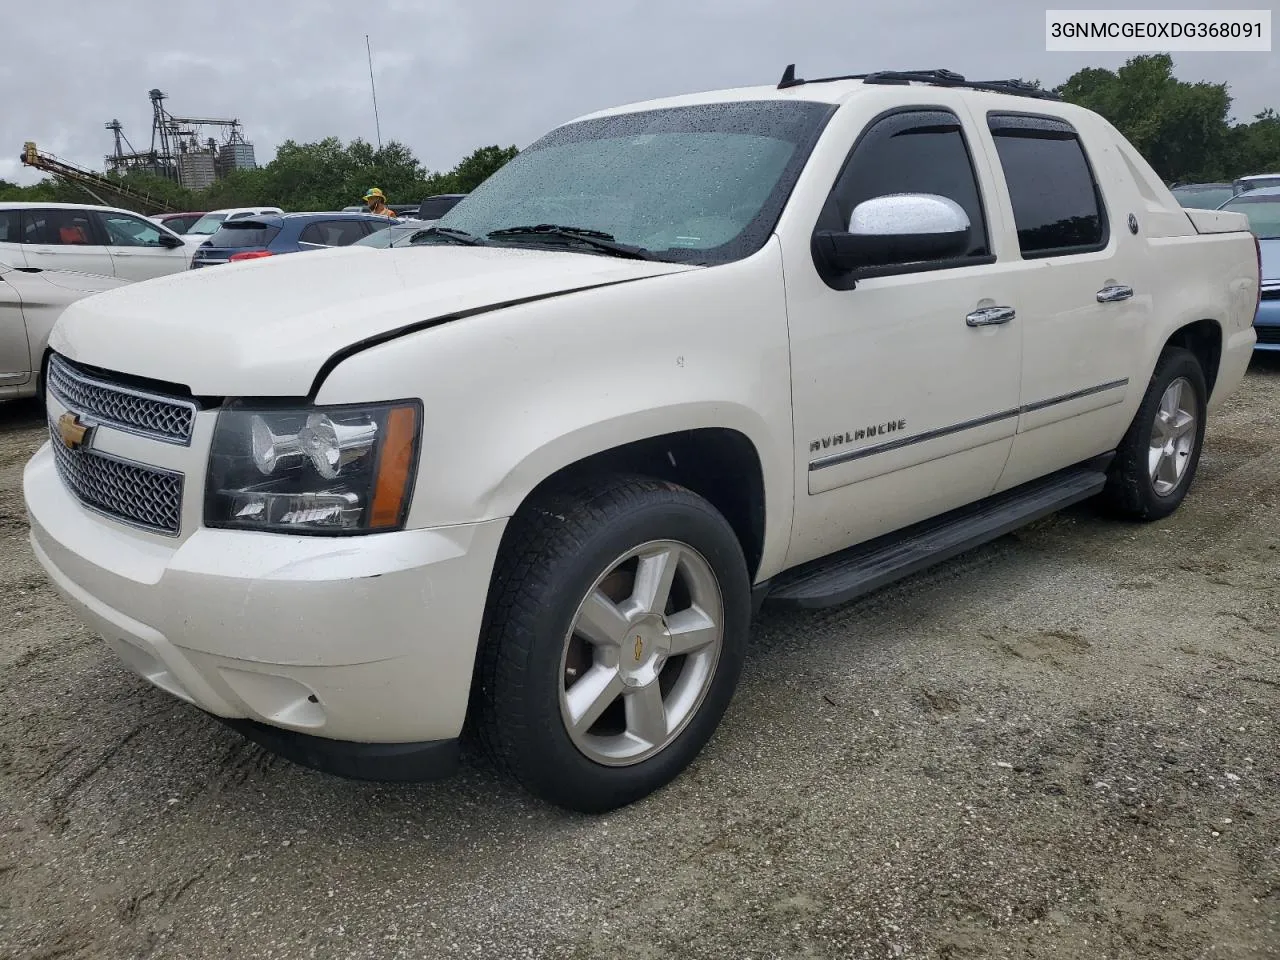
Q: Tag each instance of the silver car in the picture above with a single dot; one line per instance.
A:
(30, 302)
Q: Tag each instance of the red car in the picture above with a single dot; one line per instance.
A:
(178, 222)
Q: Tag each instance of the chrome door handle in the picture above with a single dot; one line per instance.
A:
(990, 316)
(1114, 293)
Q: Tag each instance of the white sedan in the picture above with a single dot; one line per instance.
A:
(89, 239)
(30, 302)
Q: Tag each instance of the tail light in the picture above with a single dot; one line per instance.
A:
(255, 254)
(1257, 246)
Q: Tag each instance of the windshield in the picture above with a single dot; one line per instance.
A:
(1263, 214)
(208, 224)
(700, 184)
(1203, 198)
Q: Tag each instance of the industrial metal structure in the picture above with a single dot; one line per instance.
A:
(94, 184)
(180, 149)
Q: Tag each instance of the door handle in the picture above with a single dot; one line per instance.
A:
(990, 316)
(1114, 293)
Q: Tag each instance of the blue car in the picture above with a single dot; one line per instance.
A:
(272, 234)
(1262, 207)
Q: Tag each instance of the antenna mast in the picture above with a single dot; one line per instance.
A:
(372, 86)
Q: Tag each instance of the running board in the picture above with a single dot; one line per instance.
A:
(868, 566)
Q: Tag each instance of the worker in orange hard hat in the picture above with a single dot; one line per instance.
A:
(377, 202)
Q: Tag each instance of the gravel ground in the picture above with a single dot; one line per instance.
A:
(1062, 745)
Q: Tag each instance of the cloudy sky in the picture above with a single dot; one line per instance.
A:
(453, 75)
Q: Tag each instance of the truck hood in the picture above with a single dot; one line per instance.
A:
(265, 327)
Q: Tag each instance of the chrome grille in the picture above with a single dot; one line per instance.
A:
(144, 496)
(1268, 335)
(162, 418)
(1271, 293)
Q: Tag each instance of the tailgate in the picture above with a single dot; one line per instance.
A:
(1217, 221)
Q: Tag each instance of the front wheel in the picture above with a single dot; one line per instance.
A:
(615, 636)
(1157, 459)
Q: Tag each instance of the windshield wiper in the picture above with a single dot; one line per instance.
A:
(596, 239)
(457, 236)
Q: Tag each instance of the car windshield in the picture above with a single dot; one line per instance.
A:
(1263, 214)
(1203, 198)
(387, 236)
(698, 184)
(208, 224)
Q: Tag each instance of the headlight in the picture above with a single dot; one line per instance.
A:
(335, 470)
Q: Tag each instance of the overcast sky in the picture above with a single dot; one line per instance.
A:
(453, 75)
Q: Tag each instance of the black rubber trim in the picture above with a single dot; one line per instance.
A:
(835, 459)
(387, 762)
(868, 566)
(386, 336)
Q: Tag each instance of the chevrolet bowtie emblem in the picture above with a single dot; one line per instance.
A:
(73, 432)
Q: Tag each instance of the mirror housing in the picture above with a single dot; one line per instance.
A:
(897, 229)
(172, 241)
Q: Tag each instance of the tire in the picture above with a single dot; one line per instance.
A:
(1132, 491)
(564, 549)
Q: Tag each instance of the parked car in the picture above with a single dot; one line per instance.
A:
(1262, 207)
(1203, 196)
(208, 225)
(251, 238)
(1256, 181)
(397, 234)
(30, 302)
(89, 239)
(179, 223)
(674, 360)
(433, 208)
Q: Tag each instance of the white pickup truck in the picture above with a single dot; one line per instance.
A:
(531, 475)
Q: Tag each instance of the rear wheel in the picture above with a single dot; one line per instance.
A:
(1157, 459)
(615, 635)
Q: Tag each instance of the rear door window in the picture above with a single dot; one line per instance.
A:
(10, 226)
(244, 233)
(1057, 205)
(59, 227)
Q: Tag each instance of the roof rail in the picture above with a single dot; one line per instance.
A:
(937, 78)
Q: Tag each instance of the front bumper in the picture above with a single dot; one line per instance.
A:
(1267, 325)
(297, 641)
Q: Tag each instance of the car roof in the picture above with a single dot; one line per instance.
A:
(835, 92)
(37, 205)
(1202, 186)
(1251, 195)
(1257, 176)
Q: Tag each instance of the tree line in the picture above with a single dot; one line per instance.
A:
(325, 175)
(1183, 129)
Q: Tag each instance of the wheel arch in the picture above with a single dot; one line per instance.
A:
(1202, 338)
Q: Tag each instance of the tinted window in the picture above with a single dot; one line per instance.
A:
(126, 231)
(244, 233)
(1203, 198)
(10, 226)
(208, 224)
(916, 151)
(434, 208)
(1056, 204)
(60, 227)
(333, 233)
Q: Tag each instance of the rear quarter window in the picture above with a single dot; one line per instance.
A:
(10, 226)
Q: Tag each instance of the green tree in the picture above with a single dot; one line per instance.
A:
(479, 167)
(1181, 128)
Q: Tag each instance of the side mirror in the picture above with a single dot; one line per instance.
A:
(898, 228)
(170, 241)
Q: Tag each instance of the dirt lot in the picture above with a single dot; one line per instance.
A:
(1063, 745)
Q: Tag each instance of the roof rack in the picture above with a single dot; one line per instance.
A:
(937, 78)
